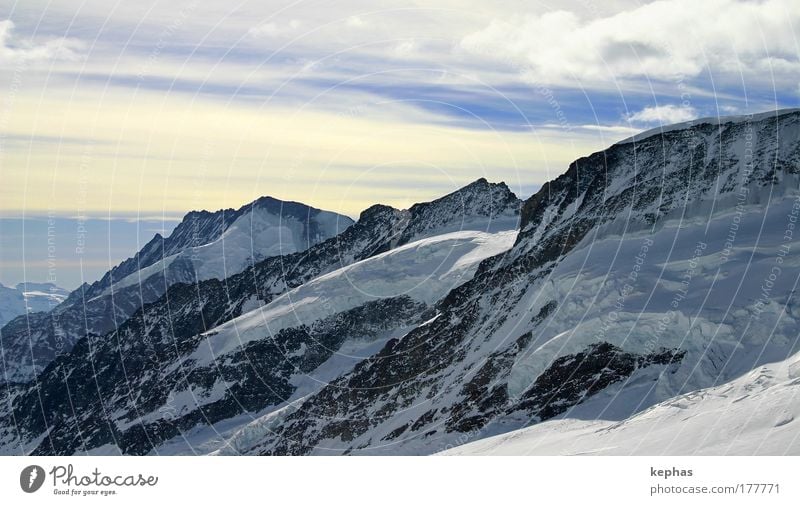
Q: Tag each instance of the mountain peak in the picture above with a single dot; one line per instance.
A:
(480, 205)
(376, 210)
(481, 183)
(479, 197)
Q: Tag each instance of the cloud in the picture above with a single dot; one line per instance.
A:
(273, 29)
(355, 22)
(176, 153)
(13, 50)
(663, 40)
(610, 129)
(347, 97)
(405, 49)
(664, 114)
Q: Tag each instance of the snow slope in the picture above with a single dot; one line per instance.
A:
(755, 414)
(688, 292)
(424, 270)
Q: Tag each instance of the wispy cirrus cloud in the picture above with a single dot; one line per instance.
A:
(338, 90)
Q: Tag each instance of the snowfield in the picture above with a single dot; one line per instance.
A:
(424, 270)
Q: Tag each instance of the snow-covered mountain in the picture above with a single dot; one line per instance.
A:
(29, 297)
(262, 229)
(649, 275)
(655, 268)
(164, 373)
(204, 245)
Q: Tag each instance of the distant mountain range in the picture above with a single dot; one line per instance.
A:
(647, 289)
(29, 297)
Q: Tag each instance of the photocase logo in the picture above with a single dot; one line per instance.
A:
(31, 478)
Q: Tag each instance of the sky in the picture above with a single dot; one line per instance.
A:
(137, 112)
(66, 251)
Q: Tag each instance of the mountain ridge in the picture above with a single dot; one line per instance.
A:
(431, 401)
(195, 250)
(180, 320)
(626, 285)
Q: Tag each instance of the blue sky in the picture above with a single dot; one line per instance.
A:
(115, 110)
(68, 251)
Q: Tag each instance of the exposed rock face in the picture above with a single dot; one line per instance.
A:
(571, 379)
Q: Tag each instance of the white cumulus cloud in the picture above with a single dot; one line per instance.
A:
(273, 29)
(662, 40)
(14, 50)
(664, 114)
(355, 22)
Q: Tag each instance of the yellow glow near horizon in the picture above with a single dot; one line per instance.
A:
(148, 153)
